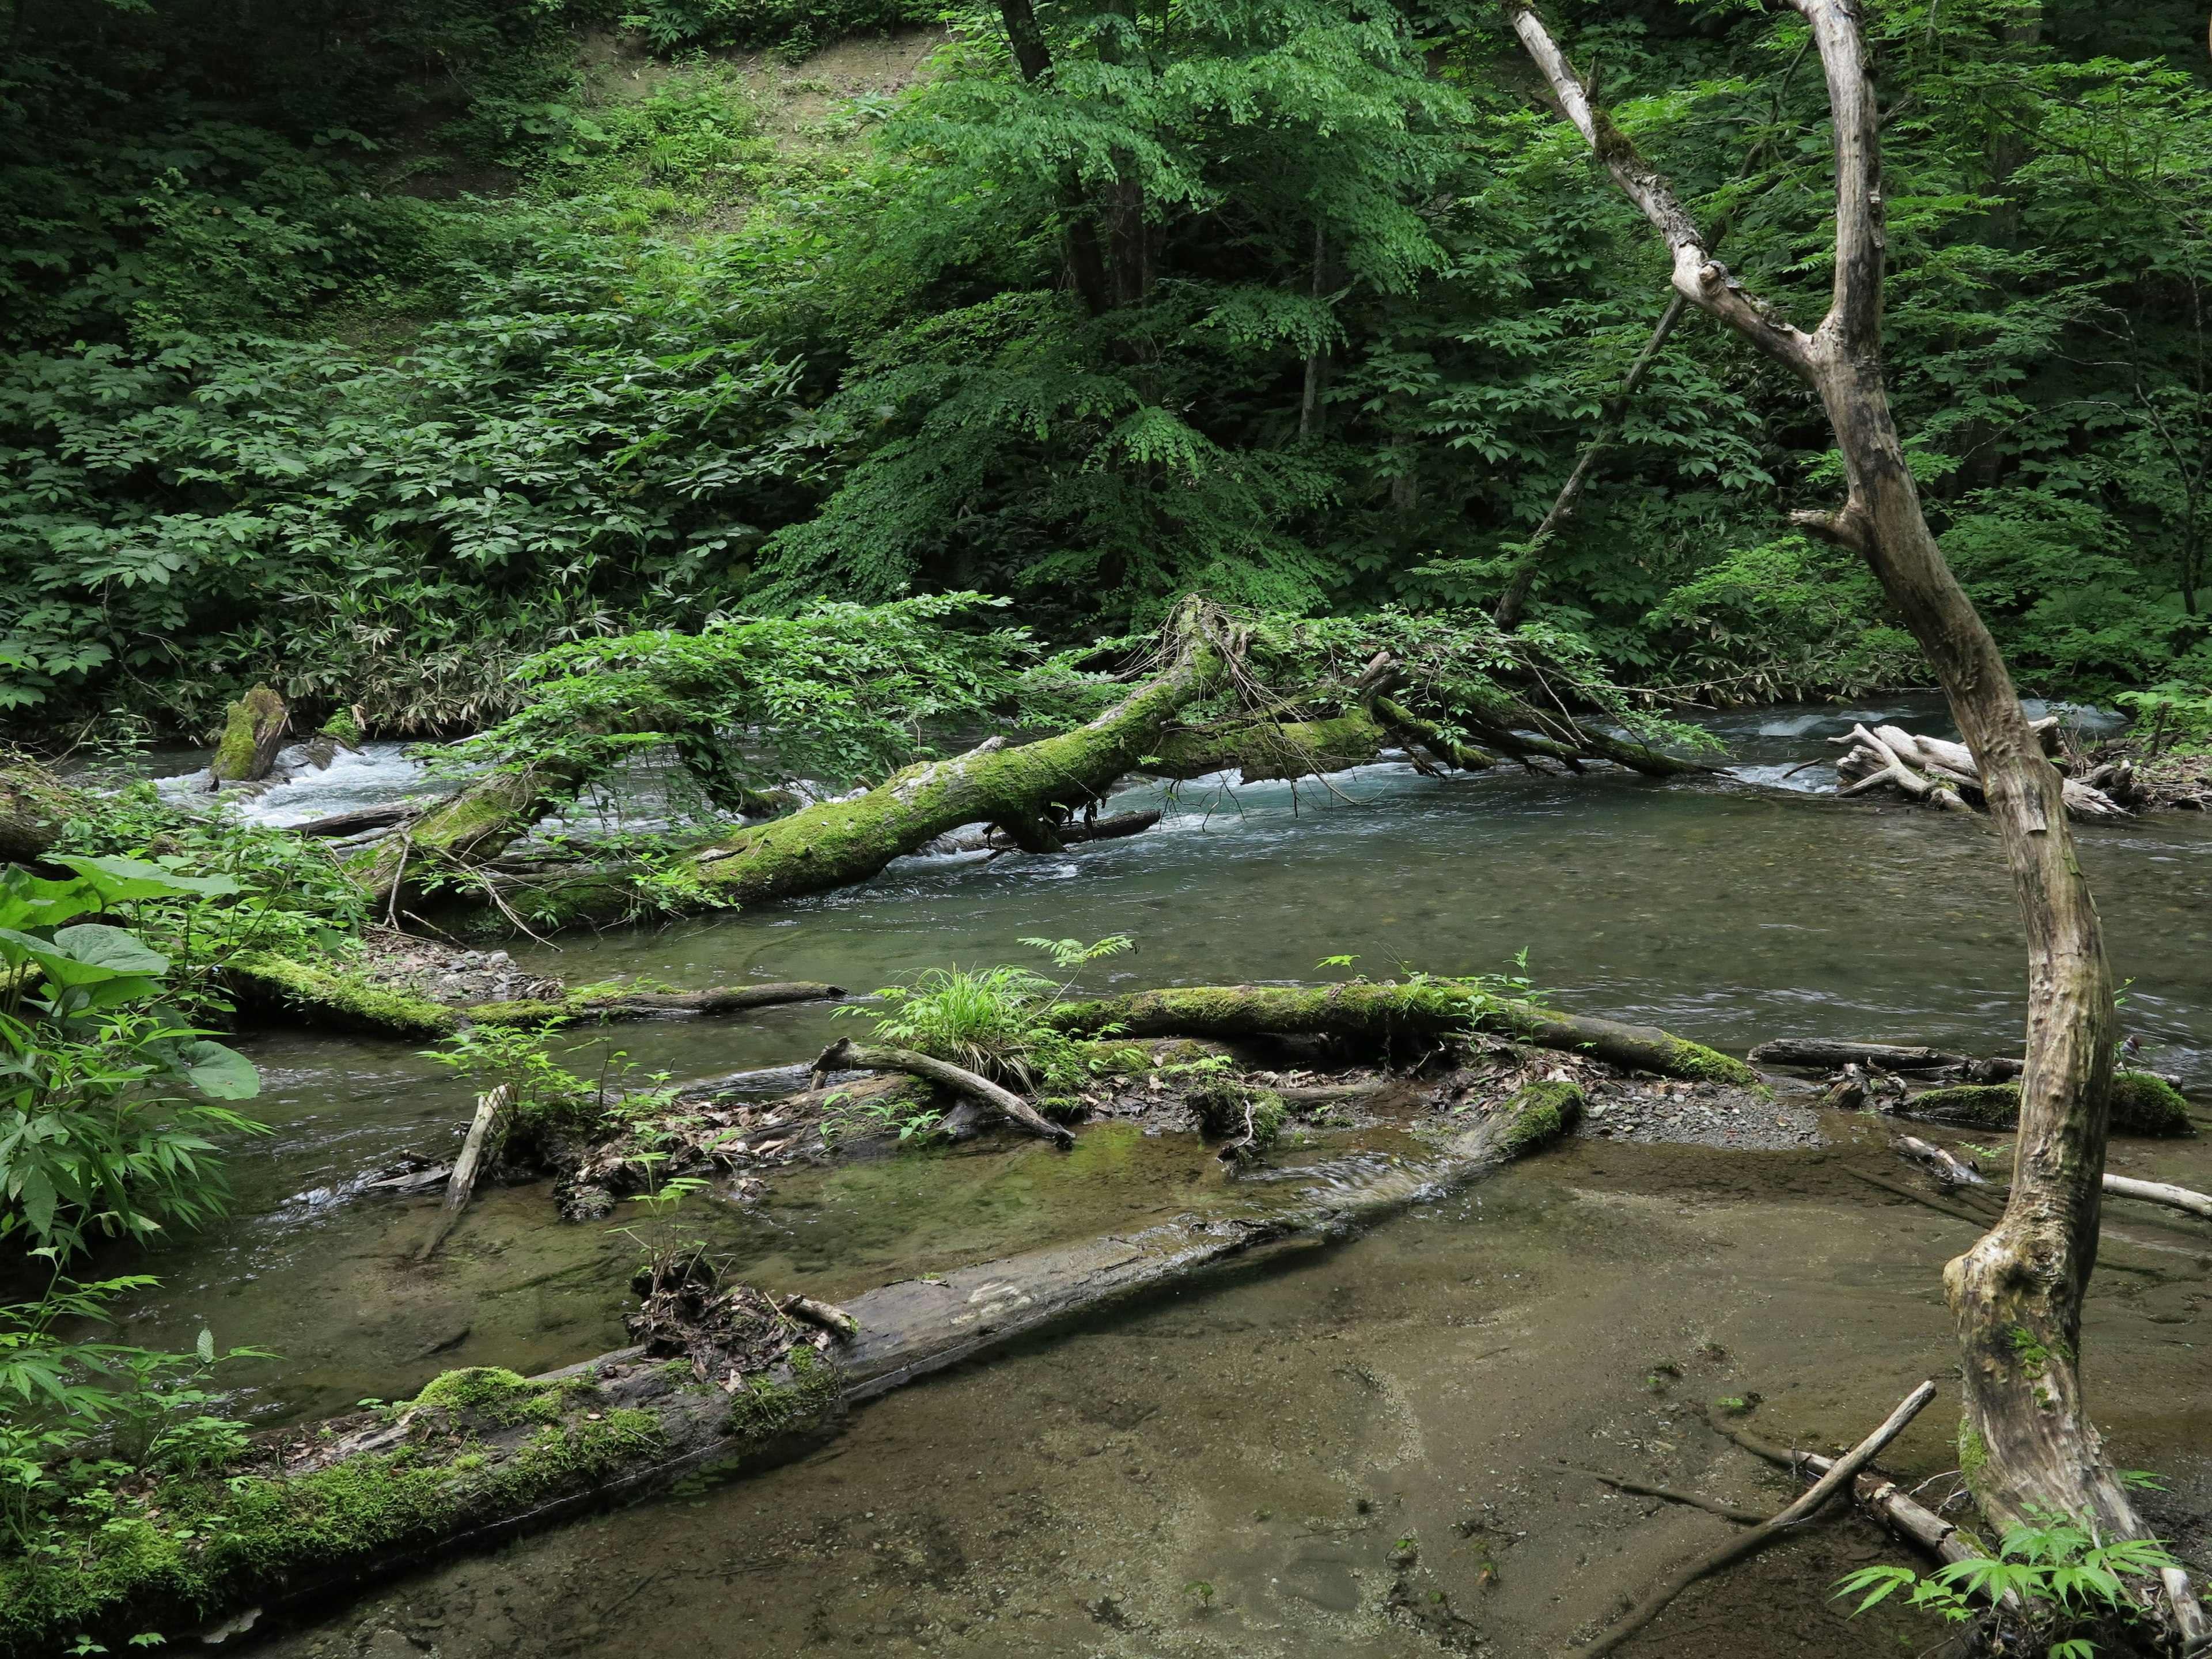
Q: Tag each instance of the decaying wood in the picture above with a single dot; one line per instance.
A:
(1947, 1166)
(828, 1315)
(1877, 1493)
(1839, 1475)
(1073, 834)
(1889, 754)
(1825, 1051)
(2030, 1272)
(463, 1181)
(2158, 1192)
(846, 1055)
(254, 730)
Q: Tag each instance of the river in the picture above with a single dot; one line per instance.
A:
(1373, 1448)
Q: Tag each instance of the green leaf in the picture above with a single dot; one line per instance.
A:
(205, 1346)
(118, 881)
(215, 1070)
(97, 945)
(29, 900)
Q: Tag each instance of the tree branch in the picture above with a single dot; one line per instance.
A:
(1699, 278)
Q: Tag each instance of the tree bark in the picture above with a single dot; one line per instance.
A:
(254, 730)
(2026, 1440)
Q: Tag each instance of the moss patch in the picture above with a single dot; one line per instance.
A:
(338, 998)
(2141, 1105)
(1541, 1112)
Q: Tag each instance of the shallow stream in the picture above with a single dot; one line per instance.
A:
(1363, 1451)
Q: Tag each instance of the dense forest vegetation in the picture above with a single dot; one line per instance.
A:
(370, 351)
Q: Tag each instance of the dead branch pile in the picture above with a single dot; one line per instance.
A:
(1941, 773)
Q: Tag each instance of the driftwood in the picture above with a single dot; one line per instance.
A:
(1826, 1051)
(624, 1424)
(2158, 1192)
(1947, 1166)
(1074, 834)
(1839, 1475)
(1936, 768)
(846, 1055)
(1876, 1492)
(462, 1182)
(1431, 1011)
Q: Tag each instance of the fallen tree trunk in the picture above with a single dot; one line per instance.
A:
(1434, 1009)
(836, 843)
(846, 1055)
(334, 995)
(35, 805)
(1824, 1051)
(483, 1455)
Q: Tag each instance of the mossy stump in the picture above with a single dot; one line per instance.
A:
(252, 732)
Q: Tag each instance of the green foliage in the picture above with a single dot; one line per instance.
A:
(991, 1021)
(93, 1141)
(2066, 1580)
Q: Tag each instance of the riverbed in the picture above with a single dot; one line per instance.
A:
(1377, 1448)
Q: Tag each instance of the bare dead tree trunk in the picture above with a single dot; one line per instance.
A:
(1523, 577)
(2027, 1440)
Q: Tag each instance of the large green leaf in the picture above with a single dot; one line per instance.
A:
(121, 880)
(29, 900)
(89, 953)
(221, 1073)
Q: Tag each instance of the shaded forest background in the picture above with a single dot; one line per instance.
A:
(370, 350)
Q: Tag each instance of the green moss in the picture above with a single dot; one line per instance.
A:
(340, 997)
(1700, 1064)
(530, 1011)
(1250, 1118)
(763, 1408)
(485, 1394)
(2147, 1105)
(343, 728)
(246, 723)
(1541, 1113)
(195, 1547)
(2141, 1105)
(1973, 1451)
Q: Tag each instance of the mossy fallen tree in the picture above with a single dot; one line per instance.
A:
(1385, 1013)
(482, 1455)
(36, 806)
(2141, 1104)
(334, 995)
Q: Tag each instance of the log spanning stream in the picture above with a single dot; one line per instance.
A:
(1377, 1448)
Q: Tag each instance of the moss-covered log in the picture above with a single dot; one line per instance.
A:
(1385, 1012)
(482, 1455)
(2141, 1105)
(471, 827)
(333, 996)
(836, 843)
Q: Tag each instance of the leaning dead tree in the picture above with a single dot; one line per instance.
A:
(2027, 1441)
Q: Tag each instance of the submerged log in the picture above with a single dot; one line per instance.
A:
(1433, 1009)
(483, 1455)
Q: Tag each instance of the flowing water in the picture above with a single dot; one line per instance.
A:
(1370, 1450)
